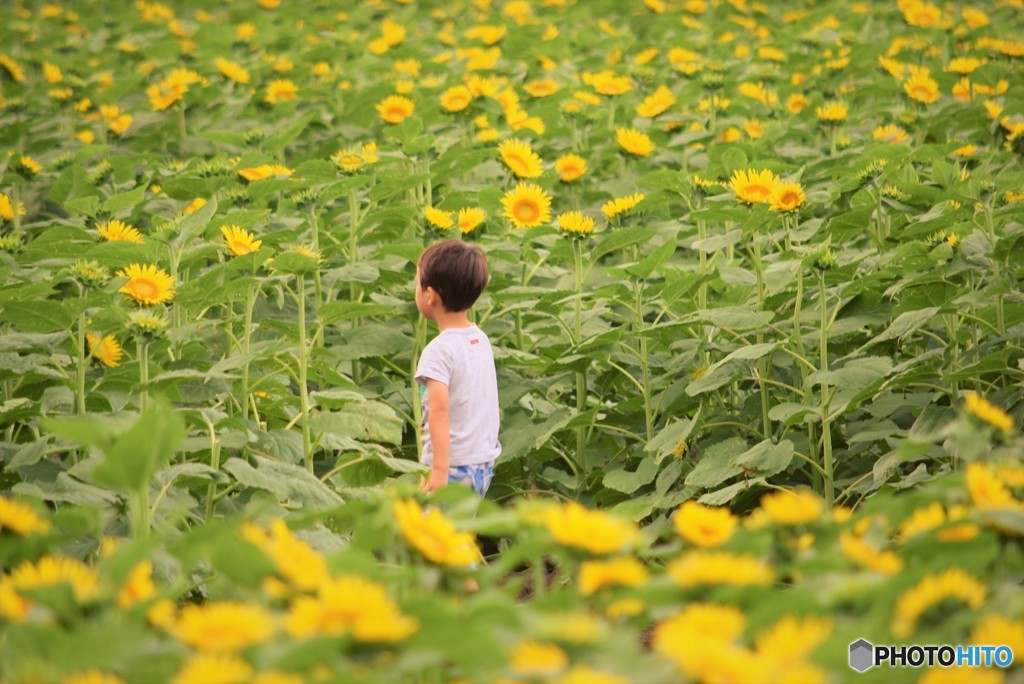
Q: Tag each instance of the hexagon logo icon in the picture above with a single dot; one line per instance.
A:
(862, 655)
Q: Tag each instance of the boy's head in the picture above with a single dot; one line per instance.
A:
(456, 272)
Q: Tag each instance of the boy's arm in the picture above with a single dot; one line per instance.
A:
(440, 433)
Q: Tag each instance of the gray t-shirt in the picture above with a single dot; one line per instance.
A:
(462, 359)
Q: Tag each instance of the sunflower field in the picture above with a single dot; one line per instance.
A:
(754, 297)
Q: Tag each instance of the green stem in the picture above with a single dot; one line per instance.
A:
(16, 203)
(250, 304)
(307, 447)
(762, 363)
(826, 429)
(80, 374)
(990, 228)
(702, 295)
(417, 409)
(353, 256)
(211, 489)
(644, 362)
(138, 510)
(581, 375)
(314, 224)
(713, 123)
(142, 351)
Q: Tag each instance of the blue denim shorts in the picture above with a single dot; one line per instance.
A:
(477, 476)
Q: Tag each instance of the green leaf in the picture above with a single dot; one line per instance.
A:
(83, 205)
(292, 483)
(665, 442)
(147, 446)
(717, 242)
(278, 141)
(373, 340)
(722, 496)
(717, 464)
(38, 316)
(125, 200)
(628, 482)
(665, 179)
(368, 421)
(767, 459)
(904, 324)
(620, 240)
(344, 311)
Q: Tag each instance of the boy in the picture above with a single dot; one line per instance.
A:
(456, 374)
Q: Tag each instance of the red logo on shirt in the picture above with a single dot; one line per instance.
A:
(474, 341)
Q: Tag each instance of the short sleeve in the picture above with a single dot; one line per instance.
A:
(436, 363)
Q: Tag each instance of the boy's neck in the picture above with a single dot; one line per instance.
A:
(452, 319)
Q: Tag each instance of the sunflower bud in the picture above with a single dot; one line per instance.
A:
(90, 273)
(255, 136)
(827, 260)
(63, 161)
(147, 323)
(101, 172)
(238, 197)
(11, 243)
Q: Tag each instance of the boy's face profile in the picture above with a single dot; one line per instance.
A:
(427, 299)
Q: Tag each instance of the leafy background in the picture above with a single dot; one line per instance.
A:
(723, 350)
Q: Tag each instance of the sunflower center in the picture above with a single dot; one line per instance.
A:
(396, 112)
(920, 91)
(758, 192)
(526, 211)
(789, 199)
(144, 289)
(517, 163)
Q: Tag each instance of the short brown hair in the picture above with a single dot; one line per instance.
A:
(456, 270)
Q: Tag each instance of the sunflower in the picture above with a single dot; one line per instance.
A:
(438, 218)
(656, 103)
(116, 231)
(232, 71)
(570, 167)
(634, 142)
(541, 88)
(28, 167)
(596, 531)
(921, 87)
(469, 219)
(147, 284)
(704, 526)
(106, 350)
(527, 206)
(797, 102)
(890, 133)
(624, 571)
(12, 68)
(281, 90)
(435, 536)
(262, 171)
(239, 241)
(537, 659)
(350, 604)
(988, 412)
(520, 158)
(207, 667)
(394, 109)
(753, 187)
(621, 205)
(222, 626)
(7, 209)
(348, 160)
(831, 112)
(787, 196)
(931, 591)
(456, 98)
(21, 519)
(575, 224)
